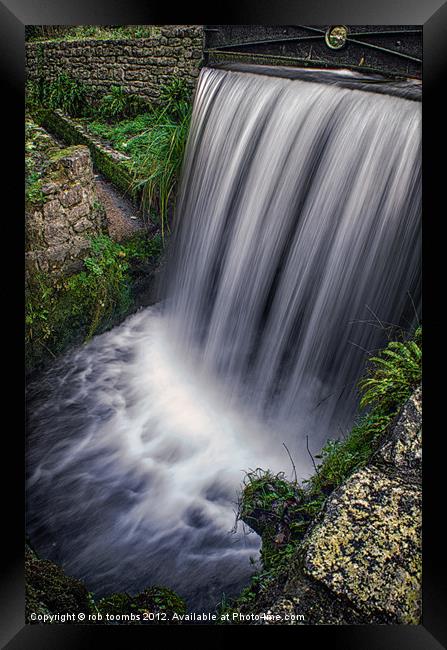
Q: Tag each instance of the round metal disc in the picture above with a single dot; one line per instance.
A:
(336, 36)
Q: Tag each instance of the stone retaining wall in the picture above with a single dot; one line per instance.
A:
(140, 66)
(113, 164)
(65, 212)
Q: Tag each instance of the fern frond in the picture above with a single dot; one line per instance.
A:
(392, 375)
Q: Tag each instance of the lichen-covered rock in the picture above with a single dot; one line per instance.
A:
(401, 453)
(304, 602)
(367, 546)
(360, 559)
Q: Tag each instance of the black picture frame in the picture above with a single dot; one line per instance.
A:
(432, 15)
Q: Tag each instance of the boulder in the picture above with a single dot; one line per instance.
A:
(359, 561)
(366, 545)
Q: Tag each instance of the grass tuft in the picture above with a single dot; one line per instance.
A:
(155, 142)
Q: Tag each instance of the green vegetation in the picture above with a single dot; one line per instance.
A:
(142, 247)
(393, 374)
(87, 32)
(175, 98)
(124, 136)
(278, 510)
(155, 142)
(151, 605)
(71, 310)
(39, 149)
(389, 380)
(119, 105)
(33, 186)
(49, 592)
(34, 94)
(72, 98)
(281, 510)
(153, 137)
(158, 169)
(65, 93)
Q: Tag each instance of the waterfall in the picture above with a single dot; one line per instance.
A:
(295, 253)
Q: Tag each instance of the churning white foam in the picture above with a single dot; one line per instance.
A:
(135, 464)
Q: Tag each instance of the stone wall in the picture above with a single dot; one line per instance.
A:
(63, 212)
(140, 66)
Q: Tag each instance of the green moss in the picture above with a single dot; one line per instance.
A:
(60, 154)
(60, 312)
(33, 191)
(153, 605)
(118, 172)
(39, 148)
(50, 591)
(45, 161)
(66, 311)
(58, 33)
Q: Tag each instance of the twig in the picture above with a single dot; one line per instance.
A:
(360, 347)
(382, 324)
(414, 307)
(375, 316)
(291, 460)
(364, 322)
(333, 392)
(48, 350)
(310, 454)
(323, 400)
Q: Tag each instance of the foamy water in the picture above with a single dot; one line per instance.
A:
(136, 465)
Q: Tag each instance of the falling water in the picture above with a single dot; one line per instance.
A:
(296, 246)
